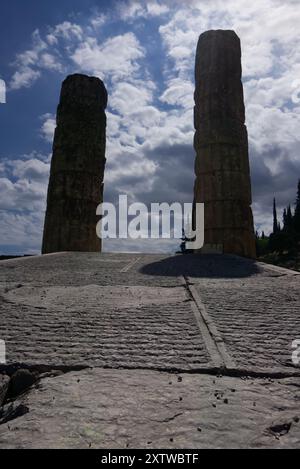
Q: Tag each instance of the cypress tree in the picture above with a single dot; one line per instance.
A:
(297, 212)
(289, 218)
(275, 222)
(284, 218)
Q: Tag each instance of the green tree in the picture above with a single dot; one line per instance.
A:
(297, 213)
(284, 218)
(289, 218)
(275, 221)
(276, 242)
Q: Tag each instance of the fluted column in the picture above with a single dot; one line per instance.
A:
(77, 167)
(221, 144)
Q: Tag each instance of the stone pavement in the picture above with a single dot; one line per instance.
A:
(150, 351)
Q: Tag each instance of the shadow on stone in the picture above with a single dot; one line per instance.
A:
(20, 381)
(12, 412)
(203, 266)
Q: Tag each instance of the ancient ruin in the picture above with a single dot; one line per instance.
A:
(149, 351)
(221, 143)
(77, 167)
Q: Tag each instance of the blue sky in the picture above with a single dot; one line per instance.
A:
(144, 51)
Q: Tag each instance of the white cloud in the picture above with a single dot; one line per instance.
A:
(262, 26)
(127, 97)
(145, 117)
(23, 184)
(179, 93)
(117, 56)
(30, 63)
(34, 170)
(65, 30)
(23, 189)
(263, 219)
(21, 233)
(139, 118)
(2, 91)
(271, 126)
(270, 39)
(131, 10)
(98, 21)
(129, 166)
(24, 78)
(49, 62)
(157, 9)
(48, 127)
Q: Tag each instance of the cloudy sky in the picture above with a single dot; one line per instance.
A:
(144, 51)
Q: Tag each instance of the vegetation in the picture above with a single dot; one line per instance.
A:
(282, 247)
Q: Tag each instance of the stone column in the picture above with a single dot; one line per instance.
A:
(77, 167)
(221, 143)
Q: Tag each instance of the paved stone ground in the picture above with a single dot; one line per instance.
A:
(144, 317)
(113, 316)
(258, 318)
(155, 410)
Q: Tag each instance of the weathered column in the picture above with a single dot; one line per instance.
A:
(221, 143)
(77, 167)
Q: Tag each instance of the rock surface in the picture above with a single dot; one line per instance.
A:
(4, 383)
(20, 381)
(221, 143)
(148, 311)
(191, 342)
(77, 167)
(149, 409)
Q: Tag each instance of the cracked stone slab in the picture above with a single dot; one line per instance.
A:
(82, 298)
(257, 319)
(116, 326)
(129, 310)
(81, 268)
(98, 408)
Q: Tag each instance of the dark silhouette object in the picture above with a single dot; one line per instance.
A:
(185, 239)
(262, 245)
(183, 244)
(77, 167)
(286, 239)
(276, 240)
(202, 266)
(276, 226)
(289, 218)
(221, 143)
(297, 213)
(21, 380)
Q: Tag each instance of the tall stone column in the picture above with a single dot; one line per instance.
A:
(77, 167)
(221, 143)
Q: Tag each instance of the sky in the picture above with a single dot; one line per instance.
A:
(144, 52)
